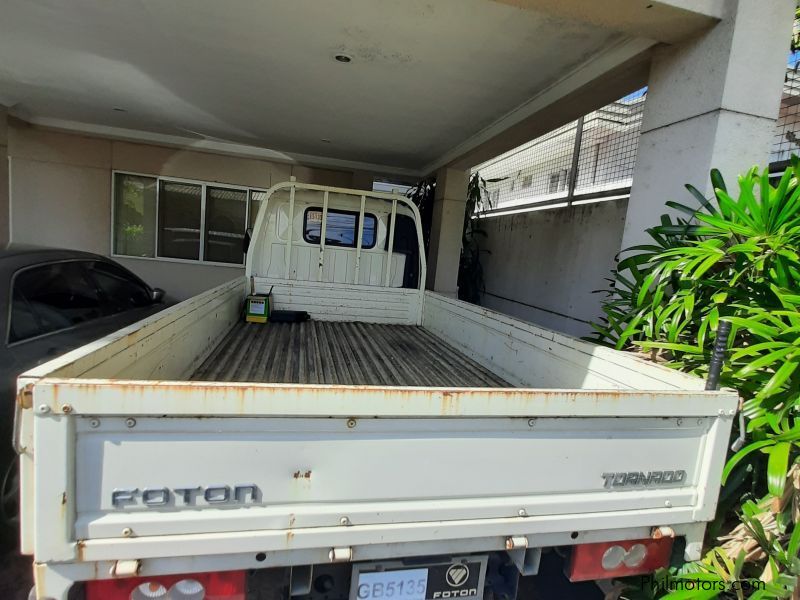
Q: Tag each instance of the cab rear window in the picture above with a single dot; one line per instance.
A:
(341, 228)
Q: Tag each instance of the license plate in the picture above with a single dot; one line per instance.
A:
(457, 578)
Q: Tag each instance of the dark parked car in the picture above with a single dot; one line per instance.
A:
(52, 301)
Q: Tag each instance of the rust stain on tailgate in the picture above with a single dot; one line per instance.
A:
(199, 398)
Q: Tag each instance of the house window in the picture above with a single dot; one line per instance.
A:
(388, 186)
(558, 181)
(179, 220)
(159, 217)
(256, 198)
(226, 213)
(341, 228)
(134, 215)
(553, 184)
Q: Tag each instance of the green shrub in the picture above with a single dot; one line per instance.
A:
(732, 259)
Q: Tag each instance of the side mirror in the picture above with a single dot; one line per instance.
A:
(157, 295)
(248, 235)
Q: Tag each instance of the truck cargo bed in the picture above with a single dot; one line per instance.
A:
(348, 353)
(381, 431)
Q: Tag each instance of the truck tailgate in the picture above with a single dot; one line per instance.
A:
(143, 469)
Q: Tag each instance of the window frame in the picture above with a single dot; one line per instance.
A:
(341, 211)
(203, 184)
(204, 217)
(201, 238)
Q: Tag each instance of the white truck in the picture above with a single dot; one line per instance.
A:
(399, 445)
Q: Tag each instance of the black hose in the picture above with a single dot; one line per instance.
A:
(718, 355)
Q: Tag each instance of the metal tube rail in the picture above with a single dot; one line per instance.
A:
(360, 240)
(288, 251)
(293, 185)
(392, 226)
(323, 231)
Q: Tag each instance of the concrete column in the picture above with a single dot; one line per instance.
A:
(5, 214)
(446, 229)
(712, 102)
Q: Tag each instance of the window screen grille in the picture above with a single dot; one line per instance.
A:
(542, 171)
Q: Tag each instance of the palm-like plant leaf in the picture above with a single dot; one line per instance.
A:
(736, 259)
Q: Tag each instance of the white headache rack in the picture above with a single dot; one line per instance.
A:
(359, 200)
(330, 278)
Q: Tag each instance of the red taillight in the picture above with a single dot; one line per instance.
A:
(223, 585)
(618, 559)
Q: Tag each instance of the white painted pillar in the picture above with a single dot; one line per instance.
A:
(446, 229)
(712, 102)
(5, 214)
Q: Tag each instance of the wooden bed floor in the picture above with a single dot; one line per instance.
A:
(341, 353)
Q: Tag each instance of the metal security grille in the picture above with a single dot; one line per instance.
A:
(608, 146)
(593, 158)
(584, 161)
(787, 131)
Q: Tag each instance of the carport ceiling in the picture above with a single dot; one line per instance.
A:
(425, 75)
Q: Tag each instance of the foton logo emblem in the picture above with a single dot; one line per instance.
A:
(641, 479)
(243, 493)
(457, 575)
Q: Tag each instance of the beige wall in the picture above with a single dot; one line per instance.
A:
(60, 193)
(543, 266)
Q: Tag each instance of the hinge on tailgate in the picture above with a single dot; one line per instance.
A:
(25, 396)
(516, 542)
(126, 568)
(340, 555)
(24, 401)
